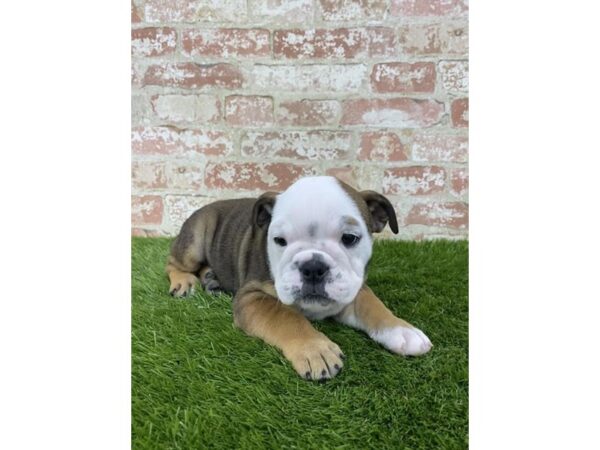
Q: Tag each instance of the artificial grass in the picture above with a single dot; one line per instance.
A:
(198, 382)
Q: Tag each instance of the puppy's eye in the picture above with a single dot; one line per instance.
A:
(280, 241)
(350, 240)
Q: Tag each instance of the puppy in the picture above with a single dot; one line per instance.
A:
(290, 258)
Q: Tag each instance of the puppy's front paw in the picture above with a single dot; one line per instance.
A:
(403, 340)
(182, 284)
(315, 358)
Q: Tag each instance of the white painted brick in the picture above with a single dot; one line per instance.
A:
(339, 78)
(187, 108)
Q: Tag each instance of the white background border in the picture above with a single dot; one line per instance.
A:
(534, 176)
(65, 317)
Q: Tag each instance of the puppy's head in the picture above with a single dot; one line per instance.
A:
(319, 240)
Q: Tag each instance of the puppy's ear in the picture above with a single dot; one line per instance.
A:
(263, 208)
(382, 211)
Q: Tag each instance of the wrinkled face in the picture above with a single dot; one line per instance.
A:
(318, 246)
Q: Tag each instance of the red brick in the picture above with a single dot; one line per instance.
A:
(393, 112)
(203, 108)
(278, 11)
(195, 11)
(448, 8)
(313, 78)
(451, 215)
(336, 10)
(455, 75)
(248, 110)
(415, 180)
(146, 210)
(303, 145)
(346, 174)
(460, 113)
(459, 182)
(184, 175)
(434, 39)
(434, 147)
(148, 175)
(403, 77)
(343, 43)
(253, 176)
(173, 141)
(153, 41)
(135, 13)
(381, 146)
(194, 76)
(309, 112)
(226, 42)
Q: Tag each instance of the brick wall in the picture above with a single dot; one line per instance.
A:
(234, 97)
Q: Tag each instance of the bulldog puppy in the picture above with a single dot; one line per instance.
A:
(290, 258)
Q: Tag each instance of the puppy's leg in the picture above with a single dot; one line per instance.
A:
(182, 281)
(369, 314)
(188, 254)
(258, 312)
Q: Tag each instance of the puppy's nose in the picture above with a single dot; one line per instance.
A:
(313, 271)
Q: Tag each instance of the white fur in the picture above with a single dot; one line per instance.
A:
(403, 340)
(319, 203)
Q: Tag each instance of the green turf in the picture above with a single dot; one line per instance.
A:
(198, 382)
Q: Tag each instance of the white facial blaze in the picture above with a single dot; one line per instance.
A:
(312, 215)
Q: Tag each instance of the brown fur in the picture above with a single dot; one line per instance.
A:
(369, 313)
(360, 203)
(182, 283)
(258, 312)
(221, 236)
(224, 246)
(376, 210)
